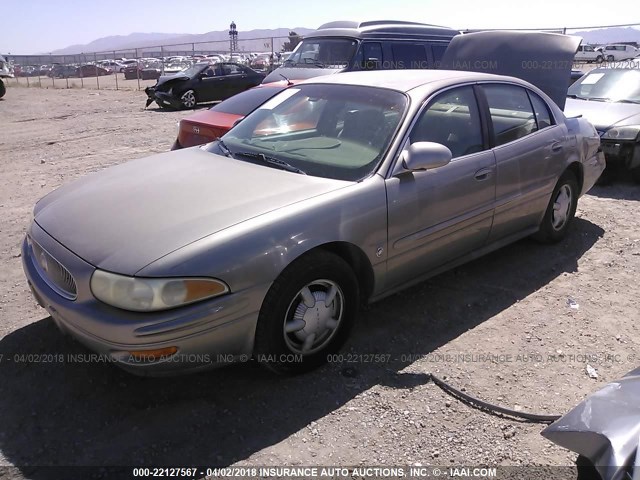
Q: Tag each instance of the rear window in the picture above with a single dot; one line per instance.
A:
(246, 102)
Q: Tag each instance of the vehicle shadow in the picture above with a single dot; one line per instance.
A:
(61, 412)
(619, 187)
(200, 106)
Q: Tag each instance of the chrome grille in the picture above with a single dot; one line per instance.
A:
(52, 271)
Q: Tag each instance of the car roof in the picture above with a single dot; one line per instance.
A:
(404, 80)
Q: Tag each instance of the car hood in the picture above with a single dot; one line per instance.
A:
(298, 73)
(603, 115)
(604, 428)
(125, 217)
(166, 78)
(542, 59)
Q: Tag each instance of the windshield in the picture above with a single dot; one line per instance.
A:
(608, 85)
(332, 131)
(323, 52)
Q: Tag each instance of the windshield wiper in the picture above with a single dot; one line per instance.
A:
(276, 162)
(577, 96)
(628, 100)
(225, 150)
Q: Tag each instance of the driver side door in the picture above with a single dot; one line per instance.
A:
(438, 215)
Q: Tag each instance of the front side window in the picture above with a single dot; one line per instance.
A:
(511, 112)
(332, 131)
(369, 56)
(323, 53)
(451, 119)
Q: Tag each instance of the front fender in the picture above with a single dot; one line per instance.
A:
(256, 251)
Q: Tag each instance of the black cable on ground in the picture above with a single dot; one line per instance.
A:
(481, 405)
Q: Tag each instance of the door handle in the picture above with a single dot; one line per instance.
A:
(483, 174)
(556, 146)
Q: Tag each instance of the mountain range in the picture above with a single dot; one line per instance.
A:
(604, 36)
(258, 40)
(251, 40)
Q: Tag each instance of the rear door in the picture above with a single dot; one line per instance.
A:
(438, 215)
(529, 147)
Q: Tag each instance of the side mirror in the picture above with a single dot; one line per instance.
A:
(425, 156)
(237, 122)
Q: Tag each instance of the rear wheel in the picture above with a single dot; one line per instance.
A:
(3, 89)
(599, 59)
(635, 174)
(307, 313)
(610, 58)
(188, 99)
(560, 211)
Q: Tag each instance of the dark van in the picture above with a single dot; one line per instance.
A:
(381, 44)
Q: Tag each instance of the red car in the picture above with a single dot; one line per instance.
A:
(92, 70)
(206, 126)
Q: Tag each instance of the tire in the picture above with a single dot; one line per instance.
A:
(561, 210)
(599, 59)
(288, 326)
(635, 174)
(610, 58)
(189, 99)
(3, 89)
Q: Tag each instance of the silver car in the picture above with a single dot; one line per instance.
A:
(610, 99)
(338, 191)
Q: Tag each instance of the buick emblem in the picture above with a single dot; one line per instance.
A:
(196, 130)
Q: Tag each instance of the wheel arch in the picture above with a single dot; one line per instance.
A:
(578, 170)
(356, 259)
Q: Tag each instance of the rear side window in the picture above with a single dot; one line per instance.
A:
(246, 102)
(541, 110)
(409, 55)
(511, 112)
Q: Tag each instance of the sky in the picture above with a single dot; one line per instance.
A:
(39, 26)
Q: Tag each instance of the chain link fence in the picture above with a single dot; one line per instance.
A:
(134, 69)
(137, 68)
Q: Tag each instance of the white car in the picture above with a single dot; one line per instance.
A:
(113, 66)
(615, 53)
(587, 53)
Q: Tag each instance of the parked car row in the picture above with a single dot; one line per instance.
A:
(610, 53)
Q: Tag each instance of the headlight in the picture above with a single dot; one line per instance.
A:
(149, 294)
(622, 133)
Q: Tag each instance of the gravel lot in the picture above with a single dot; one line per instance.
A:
(529, 349)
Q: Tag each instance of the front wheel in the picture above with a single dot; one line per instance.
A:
(610, 58)
(635, 174)
(188, 99)
(599, 59)
(307, 313)
(561, 210)
(3, 89)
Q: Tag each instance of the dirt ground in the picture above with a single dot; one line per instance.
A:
(527, 347)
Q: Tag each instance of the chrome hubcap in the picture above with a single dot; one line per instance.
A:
(313, 317)
(561, 207)
(188, 99)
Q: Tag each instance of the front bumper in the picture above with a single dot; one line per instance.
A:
(624, 154)
(207, 334)
(161, 98)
